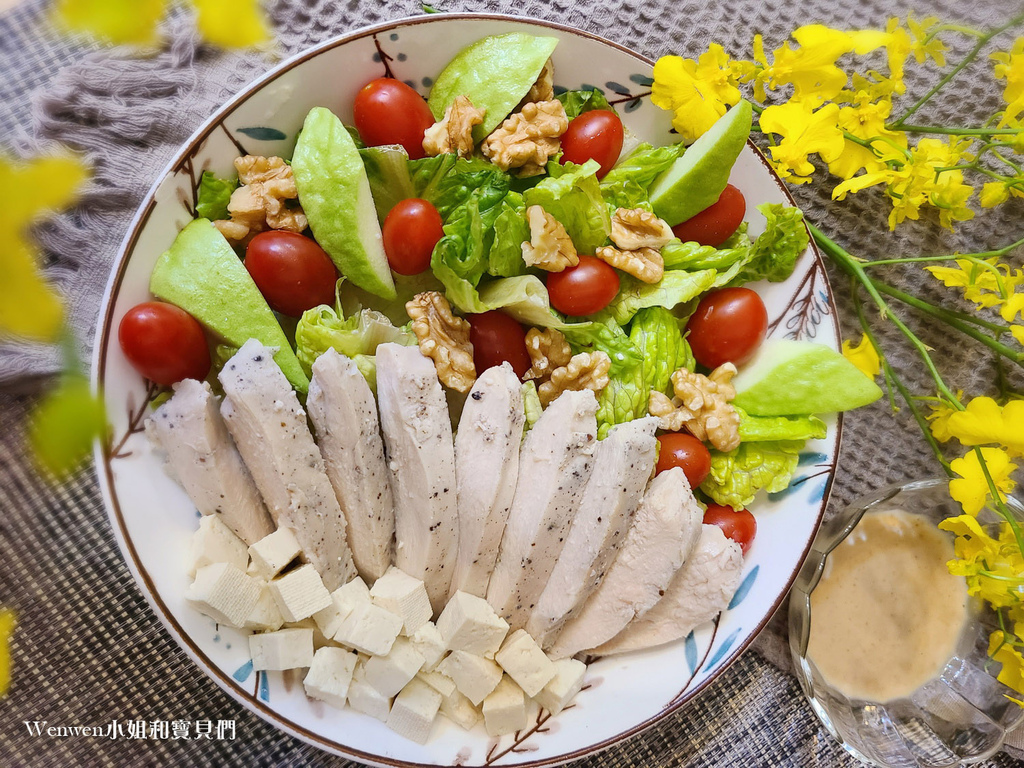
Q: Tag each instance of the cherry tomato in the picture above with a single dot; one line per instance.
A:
(498, 338)
(596, 135)
(679, 449)
(292, 272)
(737, 524)
(164, 343)
(584, 289)
(714, 225)
(411, 230)
(727, 327)
(387, 111)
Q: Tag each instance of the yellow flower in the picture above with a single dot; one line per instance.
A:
(921, 47)
(7, 623)
(231, 23)
(697, 92)
(864, 356)
(998, 286)
(971, 488)
(992, 567)
(898, 47)
(29, 307)
(983, 421)
(804, 132)
(1010, 67)
(865, 120)
(1001, 650)
(1018, 333)
(939, 417)
(811, 69)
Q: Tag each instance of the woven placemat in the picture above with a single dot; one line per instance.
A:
(88, 650)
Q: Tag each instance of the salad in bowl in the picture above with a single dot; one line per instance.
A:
(468, 392)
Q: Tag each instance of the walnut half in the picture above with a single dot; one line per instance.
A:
(587, 370)
(550, 246)
(548, 350)
(634, 228)
(701, 405)
(261, 202)
(444, 338)
(644, 264)
(527, 138)
(454, 132)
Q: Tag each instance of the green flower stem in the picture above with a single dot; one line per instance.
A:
(997, 497)
(971, 56)
(998, 252)
(946, 131)
(946, 315)
(937, 30)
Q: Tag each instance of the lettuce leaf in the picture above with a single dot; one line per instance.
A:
(578, 102)
(531, 404)
(693, 256)
(643, 165)
(572, 194)
(387, 169)
(510, 231)
(764, 428)
(213, 196)
(774, 253)
(322, 328)
(656, 334)
(607, 337)
(676, 287)
(737, 476)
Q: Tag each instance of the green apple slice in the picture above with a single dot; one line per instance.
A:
(335, 194)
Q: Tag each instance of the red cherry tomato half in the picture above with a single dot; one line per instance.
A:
(387, 111)
(164, 343)
(292, 272)
(584, 289)
(716, 223)
(727, 327)
(679, 449)
(737, 524)
(411, 230)
(498, 338)
(593, 135)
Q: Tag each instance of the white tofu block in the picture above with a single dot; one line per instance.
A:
(343, 600)
(300, 593)
(414, 711)
(563, 687)
(525, 662)
(319, 638)
(224, 593)
(390, 674)
(405, 596)
(370, 629)
(440, 683)
(284, 649)
(364, 698)
(460, 711)
(266, 616)
(428, 641)
(272, 553)
(474, 676)
(213, 542)
(505, 709)
(468, 623)
(330, 675)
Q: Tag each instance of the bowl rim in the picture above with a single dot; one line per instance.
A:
(103, 454)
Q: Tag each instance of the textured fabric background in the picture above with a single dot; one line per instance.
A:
(89, 650)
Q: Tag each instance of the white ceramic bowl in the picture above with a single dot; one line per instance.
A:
(153, 518)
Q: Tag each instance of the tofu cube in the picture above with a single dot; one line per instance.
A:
(505, 709)
(414, 711)
(343, 600)
(213, 543)
(390, 674)
(563, 687)
(370, 629)
(525, 662)
(224, 593)
(364, 698)
(468, 623)
(300, 593)
(460, 711)
(272, 553)
(283, 649)
(474, 676)
(320, 640)
(266, 616)
(440, 683)
(428, 641)
(404, 596)
(330, 675)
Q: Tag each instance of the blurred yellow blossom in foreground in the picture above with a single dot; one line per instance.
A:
(7, 623)
(864, 356)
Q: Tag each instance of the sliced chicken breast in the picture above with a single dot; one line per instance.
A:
(344, 416)
(421, 466)
(698, 592)
(264, 417)
(486, 469)
(623, 462)
(203, 459)
(554, 466)
(664, 530)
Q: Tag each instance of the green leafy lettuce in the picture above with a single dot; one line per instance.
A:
(387, 169)
(655, 333)
(627, 184)
(322, 328)
(531, 404)
(775, 251)
(213, 196)
(572, 194)
(578, 102)
(676, 287)
(737, 476)
(765, 428)
(693, 256)
(510, 231)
